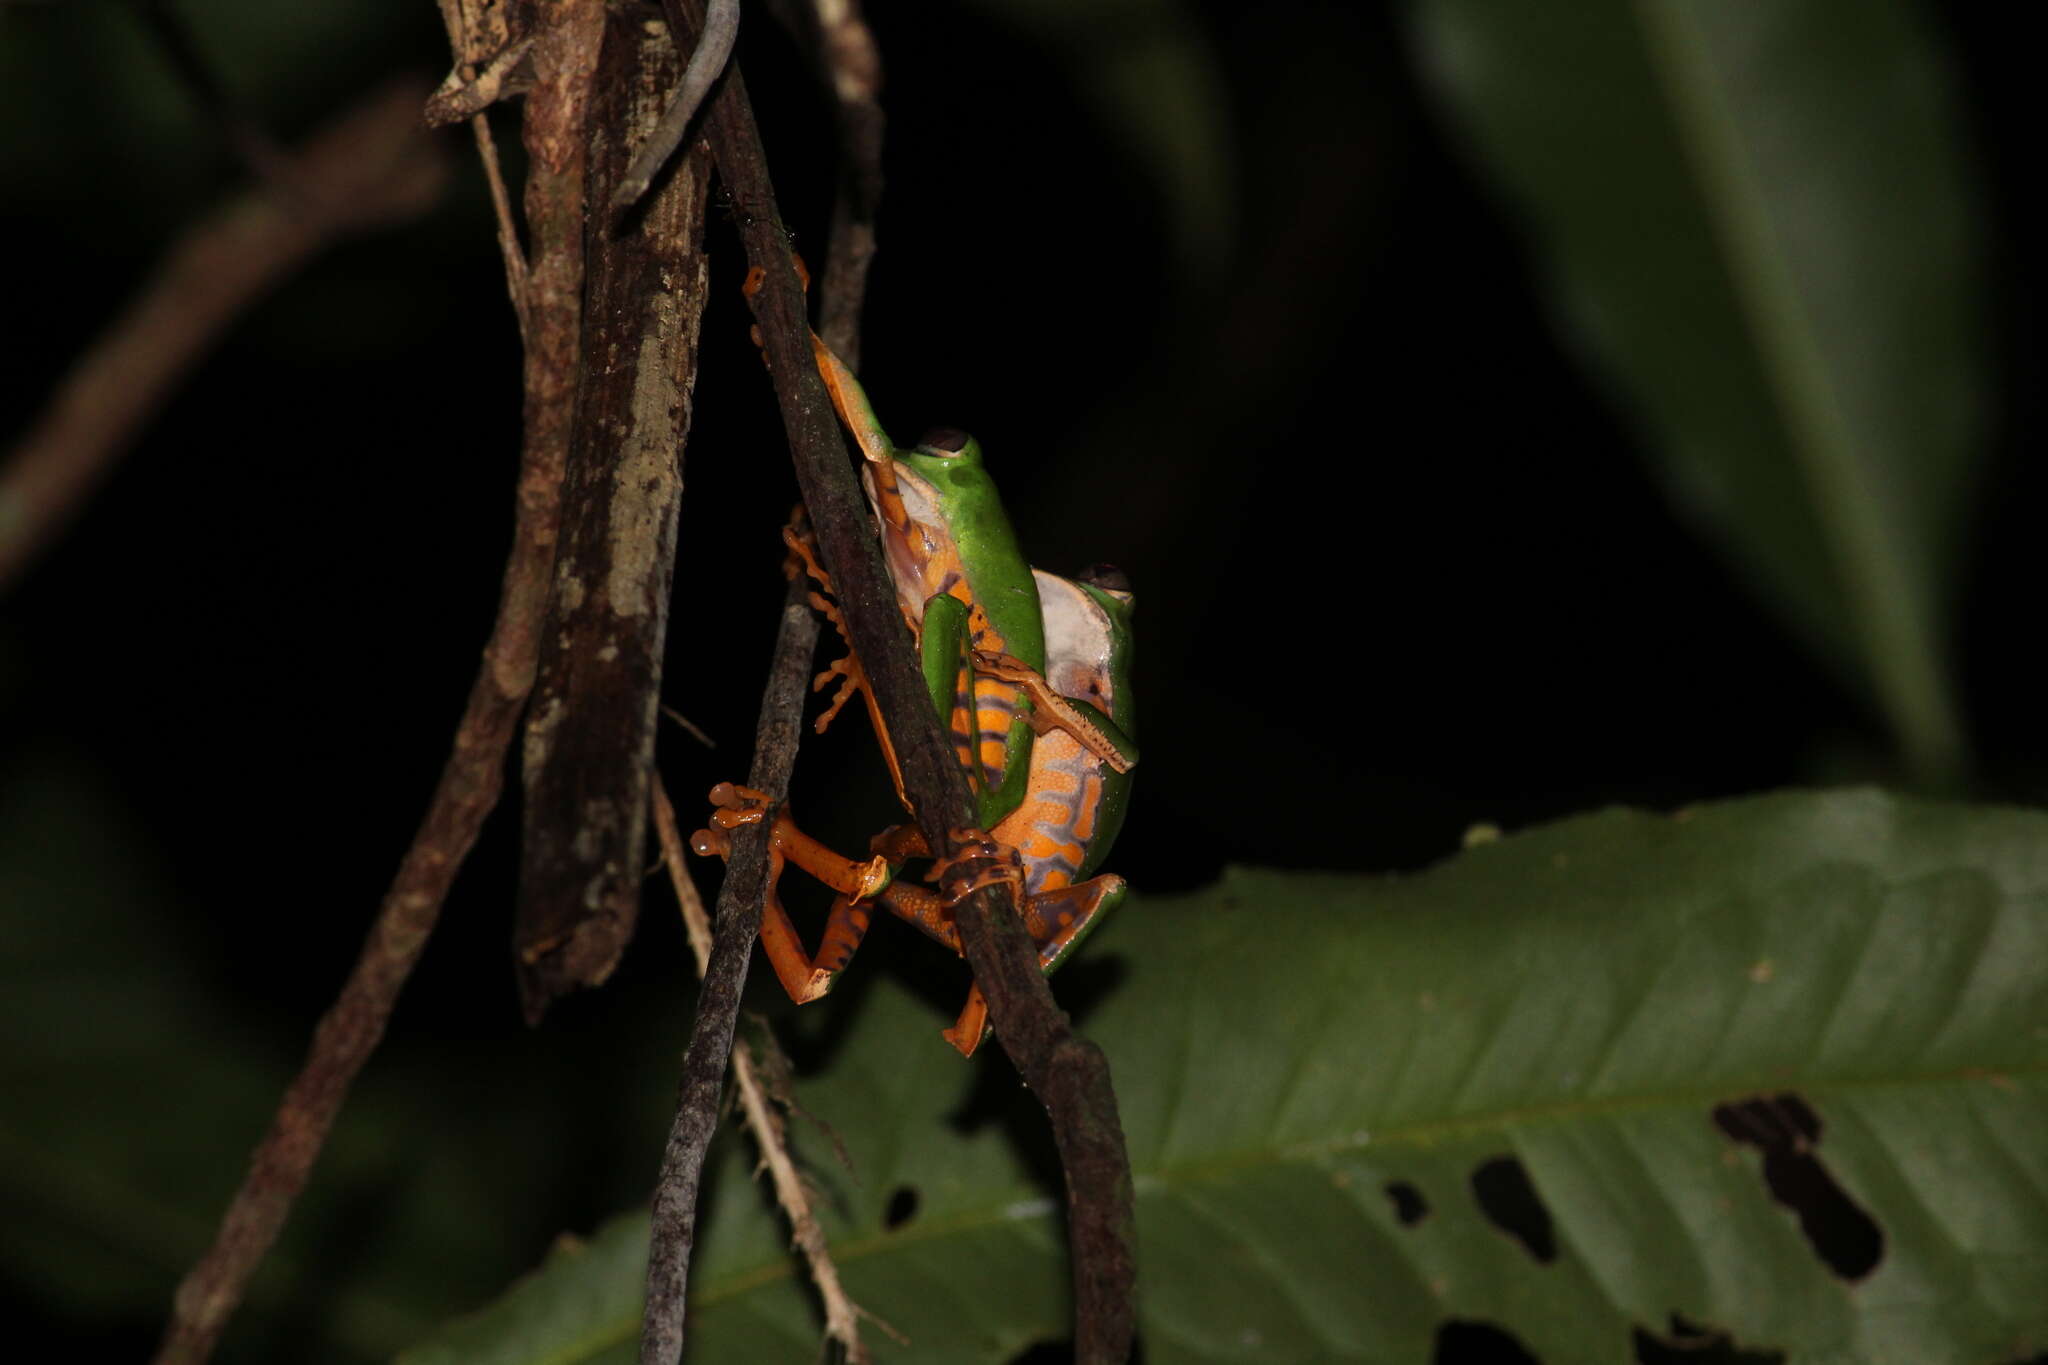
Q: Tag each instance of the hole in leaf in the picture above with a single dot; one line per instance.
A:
(1511, 1204)
(1410, 1207)
(1787, 1131)
(902, 1207)
(1460, 1342)
(1691, 1344)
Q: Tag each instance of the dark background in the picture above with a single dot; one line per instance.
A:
(1402, 565)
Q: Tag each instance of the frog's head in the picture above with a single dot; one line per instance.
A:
(949, 460)
(1109, 581)
(946, 488)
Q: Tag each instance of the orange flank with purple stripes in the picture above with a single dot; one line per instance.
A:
(1053, 826)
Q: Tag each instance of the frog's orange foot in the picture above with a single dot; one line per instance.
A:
(756, 276)
(974, 860)
(971, 1028)
(797, 537)
(737, 806)
(796, 534)
(849, 672)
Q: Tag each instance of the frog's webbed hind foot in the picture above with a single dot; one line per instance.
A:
(861, 878)
(1057, 921)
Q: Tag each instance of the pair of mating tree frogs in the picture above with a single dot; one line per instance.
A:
(1028, 670)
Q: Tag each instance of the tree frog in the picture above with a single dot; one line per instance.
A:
(1038, 728)
(1072, 808)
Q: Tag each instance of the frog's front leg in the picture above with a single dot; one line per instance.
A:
(1095, 732)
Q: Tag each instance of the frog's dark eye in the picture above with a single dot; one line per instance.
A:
(944, 441)
(1108, 577)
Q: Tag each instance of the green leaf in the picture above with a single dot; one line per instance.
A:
(1639, 1022)
(1756, 220)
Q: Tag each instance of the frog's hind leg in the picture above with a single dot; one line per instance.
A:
(1094, 731)
(845, 927)
(924, 910)
(801, 978)
(1057, 920)
(804, 977)
(971, 1029)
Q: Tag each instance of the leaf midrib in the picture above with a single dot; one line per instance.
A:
(1415, 1134)
(1891, 618)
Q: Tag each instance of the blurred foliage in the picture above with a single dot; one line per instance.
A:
(1758, 223)
(1473, 339)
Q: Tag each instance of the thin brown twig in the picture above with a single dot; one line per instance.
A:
(673, 1223)
(370, 167)
(696, 923)
(695, 730)
(848, 63)
(484, 60)
(485, 57)
(501, 210)
(842, 1314)
(1069, 1074)
(852, 67)
(473, 87)
(674, 1206)
(564, 55)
